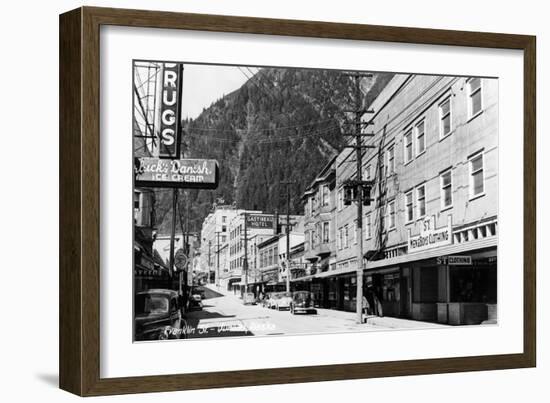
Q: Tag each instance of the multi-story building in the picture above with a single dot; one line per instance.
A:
(259, 226)
(214, 241)
(320, 202)
(273, 260)
(430, 233)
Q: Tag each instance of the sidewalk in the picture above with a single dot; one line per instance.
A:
(385, 321)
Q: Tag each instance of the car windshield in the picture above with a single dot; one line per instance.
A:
(147, 304)
(302, 296)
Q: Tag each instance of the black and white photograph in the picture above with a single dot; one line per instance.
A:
(273, 200)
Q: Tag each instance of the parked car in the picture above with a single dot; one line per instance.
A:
(302, 302)
(270, 300)
(249, 298)
(158, 316)
(283, 300)
(195, 302)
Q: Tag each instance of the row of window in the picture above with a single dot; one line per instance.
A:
(321, 199)
(322, 230)
(414, 202)
(269, 257)
(415, 199)
(414, 139)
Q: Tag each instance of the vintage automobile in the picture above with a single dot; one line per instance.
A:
(302, 302)
(282, 300)
(249, 298)
(195, 302)
(158, 315)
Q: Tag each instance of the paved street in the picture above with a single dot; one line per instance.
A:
(225, 315)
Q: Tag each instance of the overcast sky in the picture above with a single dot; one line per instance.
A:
(204, 84)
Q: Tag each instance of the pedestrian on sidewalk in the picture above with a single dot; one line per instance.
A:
(365, 310)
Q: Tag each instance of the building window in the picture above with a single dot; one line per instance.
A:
(409, 207)
(325, 195)
(420, 138)
(346, 236)
(354, 233)
(366, 172)
(326, 232)
(340, 199)
(445, 118)
(368, 226)
(421, 200)
(477, 186)
(224, 219)
(391, 160)
(136, 200)
(446, 189)
(339, 238)
(224, 228)
(391, 215)
(474, 96)
(408, 144)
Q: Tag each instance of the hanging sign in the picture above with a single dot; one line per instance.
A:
(169, 133)
(182, 173)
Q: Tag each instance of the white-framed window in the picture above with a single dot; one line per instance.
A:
(346, 236)
(366, 173)
(409, 206)
(340, 199)
(339, 239)
(420, 129)
(475, 101)
(354, 233)
(446, 182)
(325, 195)
(408, 146)
(445, 118)
(326, 232)
(368, 226)
(477, 180)
(391, 215)
(224, 219)
(391, 160)
(421, 201)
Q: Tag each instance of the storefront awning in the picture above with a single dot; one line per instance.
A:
(454, 249)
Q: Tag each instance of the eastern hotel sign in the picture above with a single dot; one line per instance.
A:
(259, 221)
(431, 237)
(182, 173)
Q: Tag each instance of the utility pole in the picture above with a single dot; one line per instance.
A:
(218, 259)
(173, 232)
(288, 183)
(209, 260)
(359, 185)
(245, 263)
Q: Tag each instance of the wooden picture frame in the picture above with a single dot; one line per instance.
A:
(79, 346)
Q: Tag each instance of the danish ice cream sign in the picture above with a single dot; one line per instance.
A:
(182, 173)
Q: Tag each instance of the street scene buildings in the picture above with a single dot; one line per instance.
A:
(382, 212)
